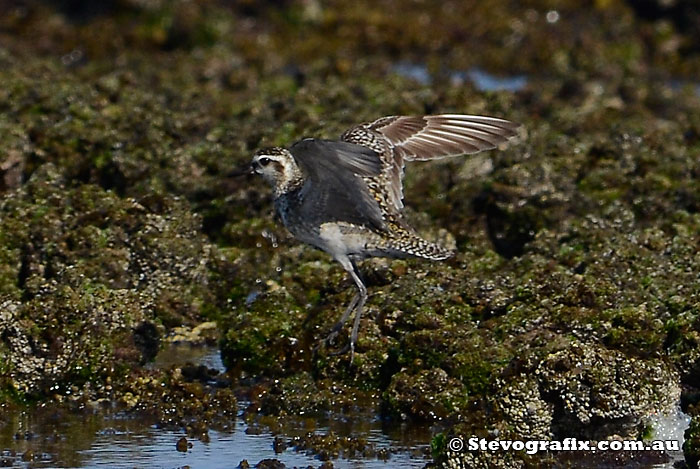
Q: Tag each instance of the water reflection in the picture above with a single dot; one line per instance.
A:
(56, 437)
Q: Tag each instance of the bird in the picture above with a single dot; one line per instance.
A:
(345, 197)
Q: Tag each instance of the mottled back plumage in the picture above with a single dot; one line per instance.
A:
(345, 197)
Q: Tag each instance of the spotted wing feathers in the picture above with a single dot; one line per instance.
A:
(431, 137)
(407, 138)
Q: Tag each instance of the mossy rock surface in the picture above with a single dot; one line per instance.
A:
(93, 281)
(126, 211)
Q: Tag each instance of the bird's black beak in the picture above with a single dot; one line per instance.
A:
(255, 168)
(240, 171)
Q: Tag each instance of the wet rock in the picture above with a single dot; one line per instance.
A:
(88, 274)
(331, 446)
(480, 459)
(182, 445)
(199, 373)
(270, 464)
(605, 393)
(525, 409)
(147, 340)
(204, 333)
(577, 250)
(176, 403)
(691, 446)
(279, 445)
(431, 395)
(587, 392)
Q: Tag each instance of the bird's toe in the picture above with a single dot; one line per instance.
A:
(342, 351)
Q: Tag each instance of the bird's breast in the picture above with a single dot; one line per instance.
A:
(288, 210)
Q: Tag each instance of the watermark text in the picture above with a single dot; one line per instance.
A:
(568, 444)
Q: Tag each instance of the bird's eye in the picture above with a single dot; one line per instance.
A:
(264, 161)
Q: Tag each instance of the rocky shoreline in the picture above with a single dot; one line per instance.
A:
(571, 309)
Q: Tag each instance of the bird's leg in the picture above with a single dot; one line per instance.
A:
(356, 305)
(358, 312)
(338, 326)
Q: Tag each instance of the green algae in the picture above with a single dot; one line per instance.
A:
(92, 268)
(690, 446)
(261, 338)
(581, 241)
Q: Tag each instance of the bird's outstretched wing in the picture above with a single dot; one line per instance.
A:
(406, 138)
(335, 189)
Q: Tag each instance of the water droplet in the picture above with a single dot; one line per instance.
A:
(252, 296)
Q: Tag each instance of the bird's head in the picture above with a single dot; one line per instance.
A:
(277, 166)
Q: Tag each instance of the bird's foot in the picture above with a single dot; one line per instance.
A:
(335, 330)
(330, 339)
(348, 348)
(342, 351)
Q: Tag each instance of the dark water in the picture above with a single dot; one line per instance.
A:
(47, 437)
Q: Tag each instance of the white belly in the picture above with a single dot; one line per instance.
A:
(340, 240)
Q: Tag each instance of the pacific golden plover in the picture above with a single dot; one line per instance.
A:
(345, 197)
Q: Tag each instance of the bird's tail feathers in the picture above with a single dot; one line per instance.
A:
(409, 245)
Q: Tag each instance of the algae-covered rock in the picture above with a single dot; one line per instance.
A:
(571, 305)
(91, 281)
(587, 392)
(597, 392)
(261, 337)
(176, 400)
(691, 446)
(429, 396)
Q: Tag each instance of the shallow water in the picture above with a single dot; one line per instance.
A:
(152, 447)
(52, 437)
(46, 437)
(482, 80)
(671, 427)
